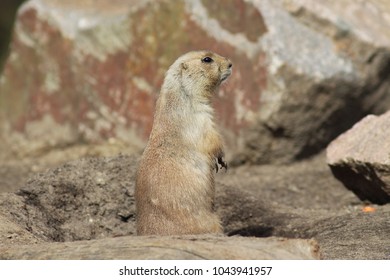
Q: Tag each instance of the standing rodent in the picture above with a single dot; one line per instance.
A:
(175, 182)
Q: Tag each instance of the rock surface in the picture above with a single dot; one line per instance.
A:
(169, 248)
(360, 158)
(88, 71)
(91, 199)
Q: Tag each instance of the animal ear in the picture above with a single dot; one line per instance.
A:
(184, 66)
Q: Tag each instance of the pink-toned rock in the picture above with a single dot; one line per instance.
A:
(360, 158)
(90, 71)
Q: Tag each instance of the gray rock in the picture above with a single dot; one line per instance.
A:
(90, 71)
(328, 69)
(170, 248)
(360, 158)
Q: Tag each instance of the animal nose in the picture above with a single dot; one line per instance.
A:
(230, 65)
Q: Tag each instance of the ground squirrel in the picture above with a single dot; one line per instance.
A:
(175, 181)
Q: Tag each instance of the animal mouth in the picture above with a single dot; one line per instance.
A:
(225, 75)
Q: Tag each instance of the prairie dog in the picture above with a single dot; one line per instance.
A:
(175, 182)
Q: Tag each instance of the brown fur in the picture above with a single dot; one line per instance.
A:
(175, 181)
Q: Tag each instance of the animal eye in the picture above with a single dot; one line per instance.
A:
(207, 59)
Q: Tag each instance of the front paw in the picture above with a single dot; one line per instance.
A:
(222, 163)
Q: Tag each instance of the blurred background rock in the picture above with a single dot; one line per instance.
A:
(7, 16)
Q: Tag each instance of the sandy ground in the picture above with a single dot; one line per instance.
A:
(57, 197)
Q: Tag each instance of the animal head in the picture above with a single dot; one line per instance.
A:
(200, 72)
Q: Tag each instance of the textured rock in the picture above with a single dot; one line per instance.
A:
(360, 158)
(327, 75)
(91, 70)
(170, 248)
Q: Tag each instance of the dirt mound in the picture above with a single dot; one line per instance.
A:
(84, 199)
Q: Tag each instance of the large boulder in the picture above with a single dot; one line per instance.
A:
(360, 158)
(87, 71)
(327, 69)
